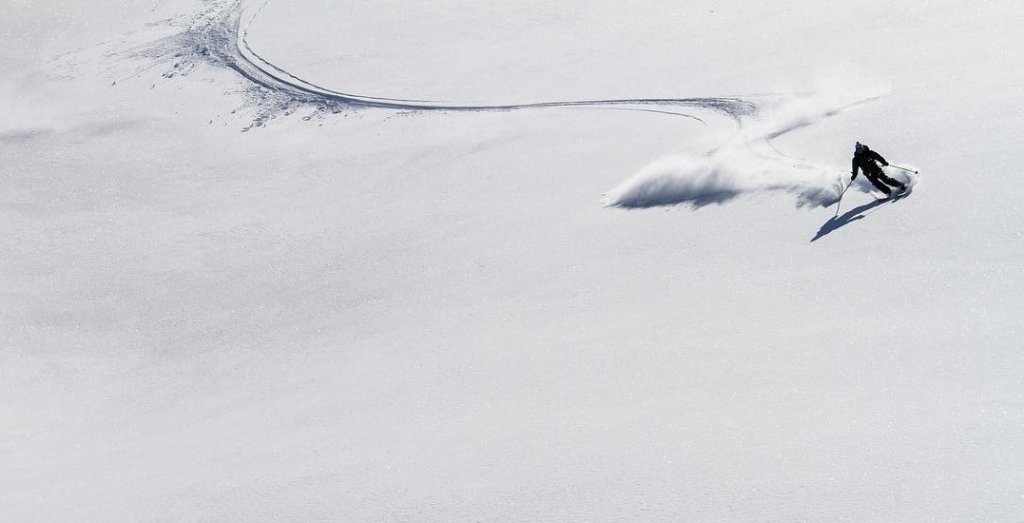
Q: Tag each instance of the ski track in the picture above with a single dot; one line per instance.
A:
(217, 36)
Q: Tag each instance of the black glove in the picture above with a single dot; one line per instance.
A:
(853, 176)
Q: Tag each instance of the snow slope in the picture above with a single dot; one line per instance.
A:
(478, 308)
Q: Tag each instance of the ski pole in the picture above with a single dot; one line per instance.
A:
(904, 168)
(840, 202)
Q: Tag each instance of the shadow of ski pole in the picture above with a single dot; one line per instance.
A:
(850, 216)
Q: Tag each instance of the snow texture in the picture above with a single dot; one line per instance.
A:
(509, 261)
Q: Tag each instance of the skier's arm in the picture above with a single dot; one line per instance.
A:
(878, 157)
(853, 170)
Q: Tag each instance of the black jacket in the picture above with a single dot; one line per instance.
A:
(865, 161)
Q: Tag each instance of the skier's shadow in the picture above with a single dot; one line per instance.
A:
(847, 218)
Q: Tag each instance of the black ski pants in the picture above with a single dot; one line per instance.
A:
(879, 180)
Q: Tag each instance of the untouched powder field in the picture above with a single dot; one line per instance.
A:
(509, 261)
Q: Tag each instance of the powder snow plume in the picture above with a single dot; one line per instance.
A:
(746, 163)
(722, 176)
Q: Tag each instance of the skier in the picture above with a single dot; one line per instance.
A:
(864, 159)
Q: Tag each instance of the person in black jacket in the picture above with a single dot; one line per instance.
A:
(864, 159)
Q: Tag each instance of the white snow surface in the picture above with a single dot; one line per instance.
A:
(458, 305)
